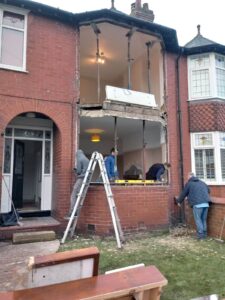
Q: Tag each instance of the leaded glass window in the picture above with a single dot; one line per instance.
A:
(47, 157)
(204, 164)
(7, 155)
(203, 139)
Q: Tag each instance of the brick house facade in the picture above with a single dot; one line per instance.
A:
(53, 97)
(45, 89)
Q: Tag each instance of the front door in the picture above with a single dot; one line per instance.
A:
(27, 169)
(18, 172)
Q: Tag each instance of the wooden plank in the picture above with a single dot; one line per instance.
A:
(63, 267)
(68, 256)
(115, 285)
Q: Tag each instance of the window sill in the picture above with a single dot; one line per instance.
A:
(213, 182)
(5, 68)
(214, 98)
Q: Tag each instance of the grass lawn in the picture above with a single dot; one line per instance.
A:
(193, 268)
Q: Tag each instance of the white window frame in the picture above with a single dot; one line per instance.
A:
(218, 68)
(23, 12)
(46, 177)
(217, 156)
(212, 76)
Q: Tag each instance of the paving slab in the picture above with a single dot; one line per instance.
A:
(14, 262)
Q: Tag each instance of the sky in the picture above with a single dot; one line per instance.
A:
(181, 15)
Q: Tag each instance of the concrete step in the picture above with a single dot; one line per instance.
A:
(33, 236)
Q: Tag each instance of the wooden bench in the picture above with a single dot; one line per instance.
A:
(143, 283)
(63, 266)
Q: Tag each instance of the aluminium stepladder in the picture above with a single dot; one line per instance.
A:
(96, 157)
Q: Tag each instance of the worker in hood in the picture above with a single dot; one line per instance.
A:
(197, 193)
(81, 167)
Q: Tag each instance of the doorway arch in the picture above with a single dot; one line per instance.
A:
(28, 163)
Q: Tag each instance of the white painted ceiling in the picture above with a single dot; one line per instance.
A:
(113, 43)
(106, 124)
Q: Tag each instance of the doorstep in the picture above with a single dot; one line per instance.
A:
(29, 224)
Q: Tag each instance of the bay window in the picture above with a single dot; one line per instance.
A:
(200, 82)
(208, 156)
(220, 75)
(12, 39)
(222, 154)
(206, 76)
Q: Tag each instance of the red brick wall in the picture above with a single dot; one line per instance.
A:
(51, 54)
(207, 116)
(217, 190)
(215, 219)
(173, 131)
(138, 208)
(63, 143)
(50, 86)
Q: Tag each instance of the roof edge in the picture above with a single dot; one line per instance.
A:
(168, 35)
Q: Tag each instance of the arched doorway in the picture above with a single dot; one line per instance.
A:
(27, 164)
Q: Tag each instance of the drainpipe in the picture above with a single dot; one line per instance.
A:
(163, 52)
(143, 148)
(179, 115)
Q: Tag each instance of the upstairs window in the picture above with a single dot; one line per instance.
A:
(206, 76)
(220, 75)
(12, 40)
(200, 77)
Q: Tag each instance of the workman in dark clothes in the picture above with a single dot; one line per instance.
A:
(156, 171)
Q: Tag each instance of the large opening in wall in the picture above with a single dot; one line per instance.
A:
(140, 143)
(122, 96)
(121, 57)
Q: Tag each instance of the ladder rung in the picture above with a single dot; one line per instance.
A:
(96, 157)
